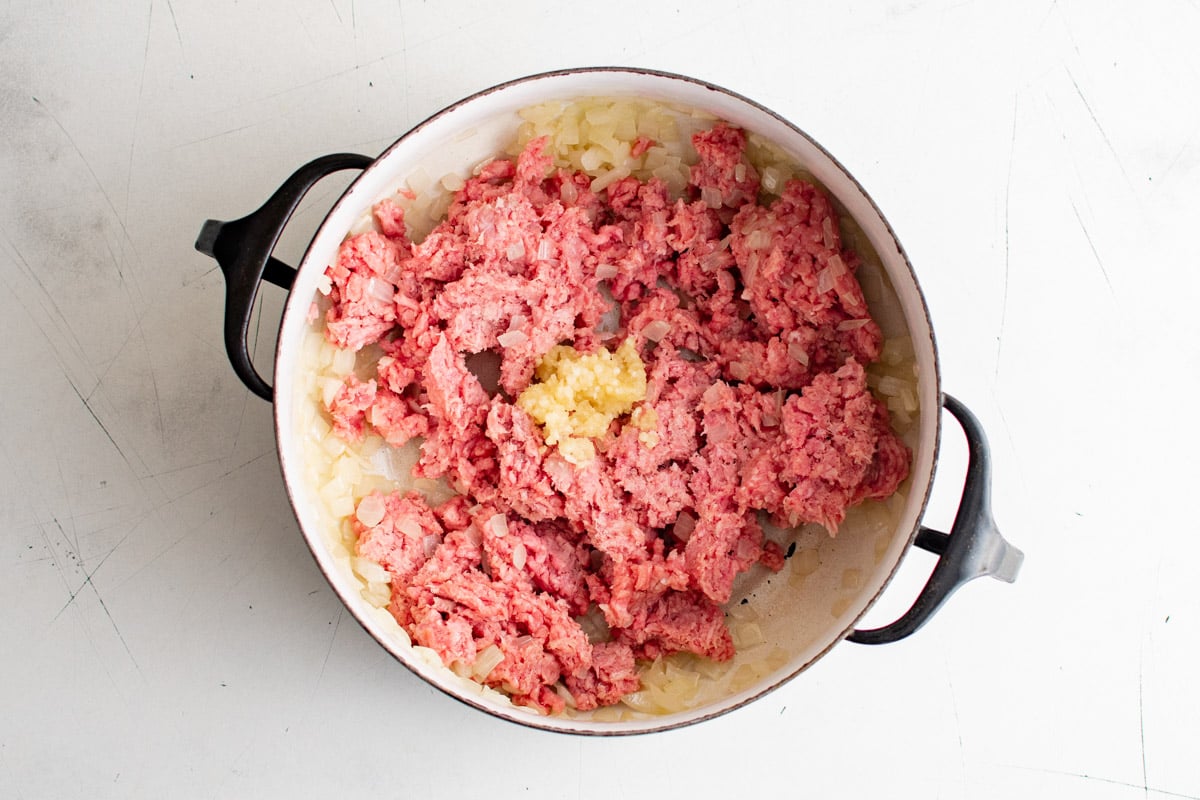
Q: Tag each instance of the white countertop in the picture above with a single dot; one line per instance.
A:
(166, 632)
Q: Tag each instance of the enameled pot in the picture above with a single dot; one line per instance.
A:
(802, 619)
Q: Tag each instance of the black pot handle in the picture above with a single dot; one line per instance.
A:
(243, 249)
(973, 548)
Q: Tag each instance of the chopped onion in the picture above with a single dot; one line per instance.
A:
(612, 176)
(545, 249)
(565, 694)
(610, 320)
(370, 571)
(890, 387)
(329, 390)
(487, 660)
(797, 352)
(896, 350)
(758, 239)
(771, 178)
(606, 271)
(715, 260)
(371, 510)
(419, 181)
(499, 525)
(409, 526)
(516, 250)
(519, 556)
(569, 192)
(747, 635)
(827, 232)
(852, 324)
(656, 330)
(739, 172)
(711, 196)
(825, 280)
(452, 182)
(343, 362)
(429, 544)
(512, 338)
(379, 289)
(392, 273)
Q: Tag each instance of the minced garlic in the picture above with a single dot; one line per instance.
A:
(578, 395)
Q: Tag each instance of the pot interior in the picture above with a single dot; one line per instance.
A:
(825, 586)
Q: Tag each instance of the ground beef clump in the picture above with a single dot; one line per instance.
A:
(754, 334)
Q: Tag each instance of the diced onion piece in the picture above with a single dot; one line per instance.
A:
(565, 694)
(515, 250)
(747, 635)
(711, 196)
(606, 271)
(890, 387)
(341, 506)
(429, 544)
(797, 352)
(771, 179)
(569, 192)
(379, 289)
(656, 330)
(499, 525)
(825, 280)
(511, 338)
(743, 678)
(715, 260)
(612, 176)
(486, 660)
(592, 158)
(371, 510)
(419, 181)
(329, 389)
(758, 239)
(896, 350)
(376, 594)
(519, 556)
(409, 526)
(369, 571)
(343, 362)
(852, 324)
(452, 182)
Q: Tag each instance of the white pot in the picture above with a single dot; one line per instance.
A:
(801, 618)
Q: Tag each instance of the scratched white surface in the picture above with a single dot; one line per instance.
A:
(165, 632)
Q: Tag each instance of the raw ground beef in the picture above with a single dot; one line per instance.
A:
(754, 333)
